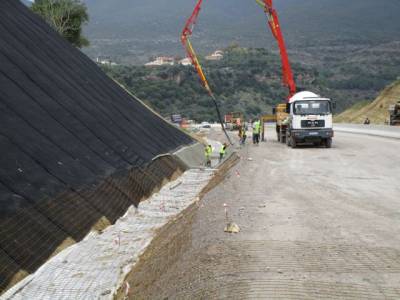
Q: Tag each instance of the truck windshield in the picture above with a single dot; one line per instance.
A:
(312, 107)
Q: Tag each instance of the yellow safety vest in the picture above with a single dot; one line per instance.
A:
(208, 151)
(257, 126)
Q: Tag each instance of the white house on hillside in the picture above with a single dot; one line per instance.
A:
(185, 62)
(161, 61)
(105, 60)
(217, 55)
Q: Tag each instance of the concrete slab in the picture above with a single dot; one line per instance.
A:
(192, 156)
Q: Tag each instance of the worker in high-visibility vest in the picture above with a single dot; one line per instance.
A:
(256, 131)
(222, 152)
(207, 153)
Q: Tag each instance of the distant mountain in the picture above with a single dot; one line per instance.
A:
(353, 45)
(125, 27)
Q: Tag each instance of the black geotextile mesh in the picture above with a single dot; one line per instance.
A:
(76, 149)
(34, 232)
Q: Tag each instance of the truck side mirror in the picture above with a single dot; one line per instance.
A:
(288, 108)
(274, 111)
(333, 104)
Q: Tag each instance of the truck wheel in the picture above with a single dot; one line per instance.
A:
(287, 139)
(328, 143)
(283, 140)
(293, 142)
(278, 134)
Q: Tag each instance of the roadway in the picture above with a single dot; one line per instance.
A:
(315, 223)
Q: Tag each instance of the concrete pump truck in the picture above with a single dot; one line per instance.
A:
(305, 117)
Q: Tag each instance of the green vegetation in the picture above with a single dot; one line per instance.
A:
(247, 80)
(66, 17)
(348, 55)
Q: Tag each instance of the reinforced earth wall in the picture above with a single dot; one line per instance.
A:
(76, 150)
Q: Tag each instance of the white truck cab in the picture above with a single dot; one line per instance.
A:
(310, 120)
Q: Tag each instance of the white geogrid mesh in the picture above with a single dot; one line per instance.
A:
(95, 267)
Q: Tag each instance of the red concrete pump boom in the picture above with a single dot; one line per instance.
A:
(273, 22)
(186, 33)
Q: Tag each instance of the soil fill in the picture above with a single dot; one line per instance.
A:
(171, 242)
(307, 232)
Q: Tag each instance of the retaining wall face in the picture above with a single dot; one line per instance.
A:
(193, 156)
(75, 148)
(32, 234)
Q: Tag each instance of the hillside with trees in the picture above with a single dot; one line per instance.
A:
(65, 16)
(338, 41)
(248, 80)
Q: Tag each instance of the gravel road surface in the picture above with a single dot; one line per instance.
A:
(315, 223)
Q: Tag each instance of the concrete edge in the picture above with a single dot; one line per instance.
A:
(192, 156)
(370, 132)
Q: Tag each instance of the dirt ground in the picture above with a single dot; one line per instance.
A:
(315, 224)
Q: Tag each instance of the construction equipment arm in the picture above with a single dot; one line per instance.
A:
(273, 22)
(186, 33)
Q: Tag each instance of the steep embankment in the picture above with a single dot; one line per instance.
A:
(376, 111)
(76, 150)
